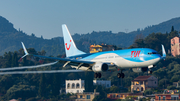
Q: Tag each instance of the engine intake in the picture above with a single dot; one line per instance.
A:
(100, 67)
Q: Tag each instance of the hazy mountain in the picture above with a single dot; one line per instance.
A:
(10, 38)
(126, 39)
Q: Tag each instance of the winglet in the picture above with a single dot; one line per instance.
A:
(25, 51)
(163, 52)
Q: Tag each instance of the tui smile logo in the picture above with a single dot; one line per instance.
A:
(67, 46)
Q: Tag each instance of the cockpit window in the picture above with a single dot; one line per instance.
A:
(152, 53)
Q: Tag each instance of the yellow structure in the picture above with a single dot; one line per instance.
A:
(86, 96)
(95, 48)
(115, 96)
(103, 47)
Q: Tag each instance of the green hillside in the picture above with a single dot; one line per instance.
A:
(126, 39)
(10, 38)
(33, 87)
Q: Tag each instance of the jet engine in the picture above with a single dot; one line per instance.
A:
(138, 70)
(100, 67)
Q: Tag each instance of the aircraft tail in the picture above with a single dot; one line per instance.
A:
(70, 47)
(163, 52)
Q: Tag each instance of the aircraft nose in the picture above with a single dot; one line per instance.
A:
(158, 57)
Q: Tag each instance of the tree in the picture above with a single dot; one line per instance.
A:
(14, 60)
(8, 56)
(101, 98)
(89, 81)
(33, 35)
(172, 28)
(42, 86)
(114, 89)
(41, 37)
(139, 43)
(172, 34)
(32, 51)
(148, 92)
(56, 84)
(171, 87)
(175, 78)
(6, 82)
(21, 91)
(43, 52)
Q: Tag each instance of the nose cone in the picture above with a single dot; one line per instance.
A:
(157, 58)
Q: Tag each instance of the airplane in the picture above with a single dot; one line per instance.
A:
(139, 59)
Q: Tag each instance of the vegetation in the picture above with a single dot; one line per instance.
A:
(11, 38)
(40, 87)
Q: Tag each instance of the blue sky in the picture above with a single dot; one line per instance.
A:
(45, 17)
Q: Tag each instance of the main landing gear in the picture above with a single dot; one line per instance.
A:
(97, 75)
(150, 71)
(120, 75)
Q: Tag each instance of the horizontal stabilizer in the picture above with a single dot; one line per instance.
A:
(28, 67)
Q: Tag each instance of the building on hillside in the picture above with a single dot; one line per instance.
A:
(167, 97)
(86, 96)
(95, 48)
(105, 83)
(115, 96)
(175, 46)
(141, 83)
(75, 86)
(106, 47)
(99, 48)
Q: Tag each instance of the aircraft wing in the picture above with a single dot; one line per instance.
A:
(69, 61)
(62, 60)
(77, 63)
(66, 60)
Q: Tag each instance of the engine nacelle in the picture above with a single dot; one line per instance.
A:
(138, 70)
(100, 67)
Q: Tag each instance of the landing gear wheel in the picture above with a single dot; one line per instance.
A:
(122, 75)
(119, 75)
(150, 72)
(95, 75)
(99, 75)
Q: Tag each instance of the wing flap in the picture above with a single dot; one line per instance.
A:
(65, 60)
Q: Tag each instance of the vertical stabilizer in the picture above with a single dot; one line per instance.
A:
(70, 47)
